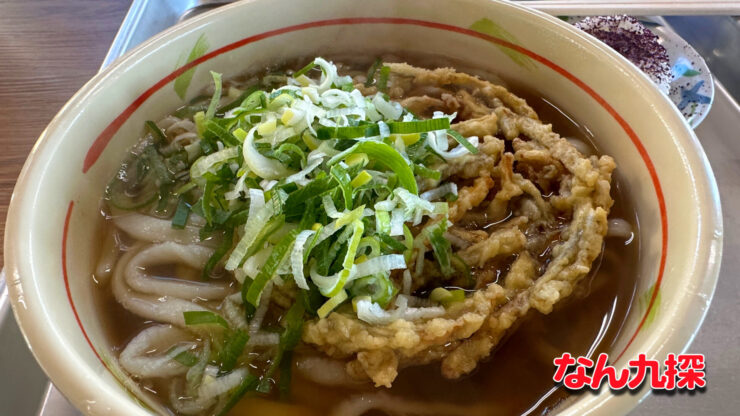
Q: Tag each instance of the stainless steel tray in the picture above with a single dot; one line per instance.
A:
(716, 38)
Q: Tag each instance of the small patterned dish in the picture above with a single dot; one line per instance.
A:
(690, 86)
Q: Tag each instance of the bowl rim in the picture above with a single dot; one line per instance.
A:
(36, 330)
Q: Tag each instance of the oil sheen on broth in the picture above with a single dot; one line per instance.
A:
(517, 378)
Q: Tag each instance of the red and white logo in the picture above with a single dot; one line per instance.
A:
(682, 372)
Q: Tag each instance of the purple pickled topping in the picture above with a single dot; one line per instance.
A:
(631, 39)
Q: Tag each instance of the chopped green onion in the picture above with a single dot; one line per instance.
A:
(395, 127)
(199, 119)
(213, 130)
(311, 142)
(311, 299)
(240, 134)
(312, 243)
(288, 341)
(281, 100)
(419, 126)
(441, 246)
(382, 221)
(349, 132)
(408, 139)
(277, 257)
(342, 177)
(186, 358)
(447, 297)
(261, 165)
(371, 72)
(354, 242)
(389, 157)
(259, 213)
(349, 259)
(207, 199)
(249, 309)
(331, 304)
(385, 72)
(356, 159)
(159, 137)
(379, 288)
(391, 242)
(326, 259)
(276, 198)
(181, 214)
(354, 215)
(211, 162)
(216, 95)
(409, 242)
(369, 242)
(359, 298)
(303, 71)
(237, 101)
(280, 91)
(294, 323)
(287, 149)
(361, 179)
(309, 217)
(219, 254)
(425, 172)
(254, 100)
(462, 140)
(458, 295)
(438, 294)
(272, 226)
(232, 350)
(204, 318)
(296, 202)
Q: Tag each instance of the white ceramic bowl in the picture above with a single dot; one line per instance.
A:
(51, 238)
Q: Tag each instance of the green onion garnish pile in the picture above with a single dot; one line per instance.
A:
(311, 184)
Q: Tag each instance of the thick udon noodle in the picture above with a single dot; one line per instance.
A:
(150, 270)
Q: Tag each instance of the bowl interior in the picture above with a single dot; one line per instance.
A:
(54, 225)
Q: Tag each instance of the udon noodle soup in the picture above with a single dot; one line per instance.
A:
(331, 240)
